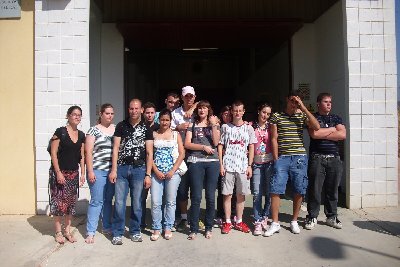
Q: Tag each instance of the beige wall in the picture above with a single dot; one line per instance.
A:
(17, 180)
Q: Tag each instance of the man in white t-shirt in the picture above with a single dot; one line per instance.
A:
(180, 122)
(236, 152)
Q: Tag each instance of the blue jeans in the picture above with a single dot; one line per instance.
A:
(295, 167)
(129, 178)
(170, 186)
(101, 195)
(260, 182)
(203, 174)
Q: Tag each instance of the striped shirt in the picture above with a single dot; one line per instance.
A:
(102, 149)
(290, 132)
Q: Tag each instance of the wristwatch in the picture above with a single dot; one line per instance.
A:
(147, 175)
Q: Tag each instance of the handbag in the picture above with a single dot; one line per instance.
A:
(175, 154)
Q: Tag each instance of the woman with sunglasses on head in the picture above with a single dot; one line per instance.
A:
(201, 141)
(262, 169)
(98, 152)
(67, 155)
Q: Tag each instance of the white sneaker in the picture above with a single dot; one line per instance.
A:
(310, 223)
(273, 228)
(294, 226)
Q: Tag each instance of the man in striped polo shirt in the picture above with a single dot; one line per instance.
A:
(325, 167)
(290, 158)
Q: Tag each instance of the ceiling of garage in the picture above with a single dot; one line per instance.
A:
(210, 23)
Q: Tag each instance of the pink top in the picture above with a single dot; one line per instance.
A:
(262, 149)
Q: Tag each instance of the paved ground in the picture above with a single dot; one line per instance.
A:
(370, 237)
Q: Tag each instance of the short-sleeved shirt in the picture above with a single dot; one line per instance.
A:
(132, 149)
(202, 136)
(69, 153)
(102, 149)
(236, 140)
(324, 146)
(262, 149)
(178, 118)
(290, 132)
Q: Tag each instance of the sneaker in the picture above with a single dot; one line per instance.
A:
(182, 225)
(136, 238)
(173, 229)
(294, 227)
(264, 223)
(226, 228)
(242, 227)
(201, 225)
(334, 222)
(273, 228)
(117, 240)
(107, 232)
(257, 228)
(217, 223)
(310, 223)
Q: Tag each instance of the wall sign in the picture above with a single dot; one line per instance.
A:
(10, 9)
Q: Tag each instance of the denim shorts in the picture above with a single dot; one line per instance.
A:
(295, 167)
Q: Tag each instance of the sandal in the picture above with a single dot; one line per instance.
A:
(168, 235)
(89, 239)
(192, 236)
(69, 237)
(155, 236)
(59, 238)
(208, 234)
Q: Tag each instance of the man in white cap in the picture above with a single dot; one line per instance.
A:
(180, 122)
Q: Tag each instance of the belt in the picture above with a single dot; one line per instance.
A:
(138, 162)
(323, 156)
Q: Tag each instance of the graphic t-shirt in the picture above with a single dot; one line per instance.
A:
(262, 149)
(236, 140)
(132, 149)
(202, 136)
(102, 149)
(290, 132)
(324, 146)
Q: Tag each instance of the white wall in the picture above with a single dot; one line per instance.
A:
(112, 69)
(372, 92)
(61, 79)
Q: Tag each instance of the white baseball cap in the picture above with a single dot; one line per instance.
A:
(188, 90)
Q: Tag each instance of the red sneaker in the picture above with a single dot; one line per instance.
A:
(242, 227)
(226, 228)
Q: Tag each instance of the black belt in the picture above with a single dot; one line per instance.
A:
(323, 156)
(138, 162)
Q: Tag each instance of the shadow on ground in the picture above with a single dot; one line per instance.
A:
(383, 227)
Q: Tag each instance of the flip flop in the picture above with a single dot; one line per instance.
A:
(59, 238)
(69, 237)
(155, 236)
(89, 239)
(192, 236)
(208, 234)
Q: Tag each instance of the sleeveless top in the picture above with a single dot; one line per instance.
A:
(163, 158)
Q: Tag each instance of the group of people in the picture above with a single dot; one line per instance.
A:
(187, 149)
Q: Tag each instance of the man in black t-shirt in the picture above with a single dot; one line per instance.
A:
(325, 167)
(132, 160)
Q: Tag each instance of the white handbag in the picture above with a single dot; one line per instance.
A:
(175, 154)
